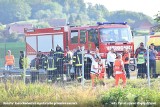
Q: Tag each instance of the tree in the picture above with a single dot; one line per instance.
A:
(157, 17)
(42, 25)
(13, 37)
(14, 10)
(97, 12)
(71, 20)
(46, 10)
(42, 14)
(134, 18)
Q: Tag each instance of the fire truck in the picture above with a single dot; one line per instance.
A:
(104, 35)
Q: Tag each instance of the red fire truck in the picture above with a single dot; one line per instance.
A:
(103, 35)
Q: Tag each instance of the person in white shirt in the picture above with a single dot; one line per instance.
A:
(94, 71)
(111, 56)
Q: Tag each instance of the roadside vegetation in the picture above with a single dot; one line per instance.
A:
(136, 91)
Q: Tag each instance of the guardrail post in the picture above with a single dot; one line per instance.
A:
(148, 73)
(24, 68)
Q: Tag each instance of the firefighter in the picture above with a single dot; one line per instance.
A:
(59, 55)
(125, 58)
(72, 71)
(51, 68)
(33, 64)
(21, 60)
(40, 56)
(87, 63)
(140, 54)
(119, 70)
(78, 63)
(111, 56)
(44, 61)
(36, 61)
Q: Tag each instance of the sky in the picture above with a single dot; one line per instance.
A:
(148, 7)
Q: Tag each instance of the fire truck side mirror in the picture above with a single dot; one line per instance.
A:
(133, 33)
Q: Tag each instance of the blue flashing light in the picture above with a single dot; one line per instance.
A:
(99, 23)
(103, 23)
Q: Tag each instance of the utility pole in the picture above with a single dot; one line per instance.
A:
(148, 73)
(4, 36)
(83, 66)
(24, 67)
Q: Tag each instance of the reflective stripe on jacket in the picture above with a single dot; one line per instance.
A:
(51, 63)
(79, 62)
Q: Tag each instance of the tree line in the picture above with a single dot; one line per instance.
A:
(77, 12)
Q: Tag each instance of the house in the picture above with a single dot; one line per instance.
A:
(143, 25)
(18, 28)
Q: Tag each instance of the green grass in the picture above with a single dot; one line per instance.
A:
(15, 47)
(135, 91)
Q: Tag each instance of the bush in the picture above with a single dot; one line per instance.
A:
(132, 96)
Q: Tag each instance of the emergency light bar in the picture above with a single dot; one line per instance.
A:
(103, 23)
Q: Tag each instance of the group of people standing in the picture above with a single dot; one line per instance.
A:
(59, 62)
(141, 56)
(111, 57)
(118, 65)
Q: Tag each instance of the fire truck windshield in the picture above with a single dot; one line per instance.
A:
(115, 34)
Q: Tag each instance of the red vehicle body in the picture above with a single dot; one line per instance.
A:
(100, 36)
(104, 36)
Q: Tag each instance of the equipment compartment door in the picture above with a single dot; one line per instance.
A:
(45, 43)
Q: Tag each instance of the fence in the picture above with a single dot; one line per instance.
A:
(64, 72)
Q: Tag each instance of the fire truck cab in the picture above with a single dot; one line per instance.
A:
(104, 36)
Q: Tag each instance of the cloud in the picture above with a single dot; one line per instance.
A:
(148, 7)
